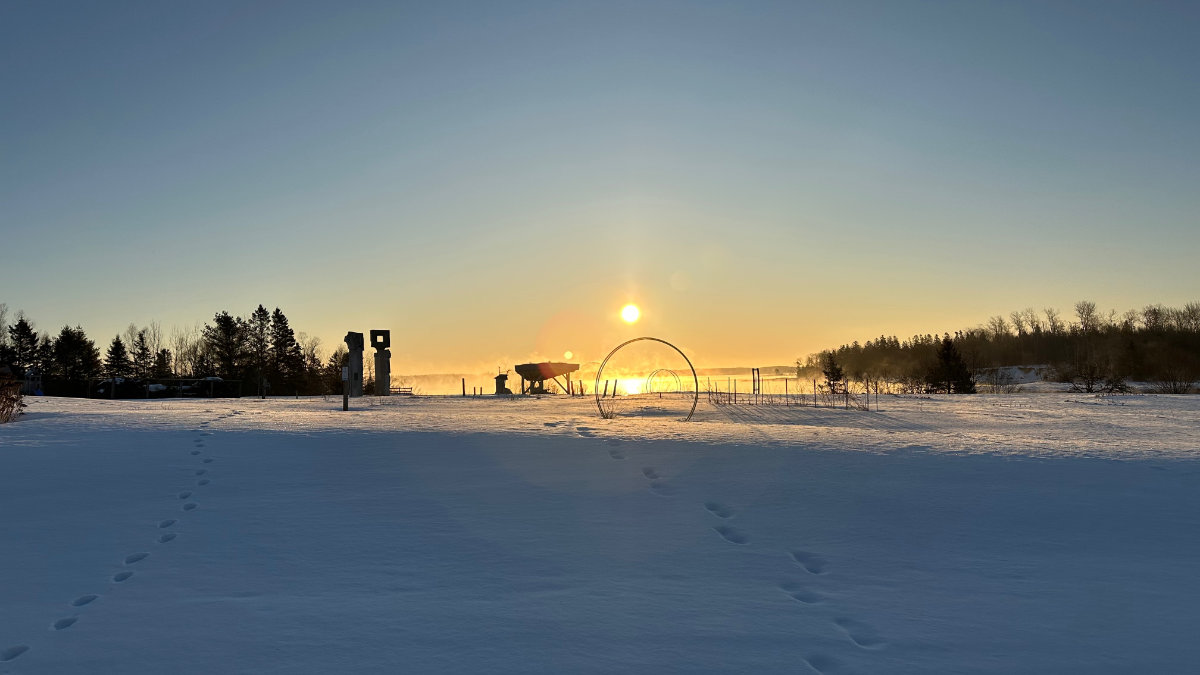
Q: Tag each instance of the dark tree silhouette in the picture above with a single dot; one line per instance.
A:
(162, 364)
(225, 345)
(75, 357)
(286, 357)
(332, 371)
(116, 360)
(22, 344)
(950, 373)
(832, 370)
(141, 356)
(258, 344)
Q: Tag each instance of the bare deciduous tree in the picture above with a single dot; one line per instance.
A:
(1089, 319)
(1054, 324)
(997, 326)
(1018, 321)
(1188, 318)
(154, 337)
(1031, 320)
(186, 347)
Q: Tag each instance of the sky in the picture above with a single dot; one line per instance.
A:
(493, 181)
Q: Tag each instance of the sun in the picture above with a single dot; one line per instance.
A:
(630, 313)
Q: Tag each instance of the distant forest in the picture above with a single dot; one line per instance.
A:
(256, 354)
(1094, 351)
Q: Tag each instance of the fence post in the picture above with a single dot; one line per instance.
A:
(345, 388)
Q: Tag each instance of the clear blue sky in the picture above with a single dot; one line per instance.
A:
(495, 179)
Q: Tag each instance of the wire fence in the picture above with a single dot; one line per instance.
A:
(792, 392)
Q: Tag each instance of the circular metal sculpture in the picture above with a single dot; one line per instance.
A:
(649, 388)
(695, 378)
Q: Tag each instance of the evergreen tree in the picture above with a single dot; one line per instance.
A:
(259, 344)
(225, 346)
(142, 357)
(22, 343)
(75, 357)
(162, 364)
(116, 360)
(43, 358)
(834, 375)
(950, 372)
(286, 359)
(332, 373)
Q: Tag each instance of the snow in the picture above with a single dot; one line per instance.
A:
(989, 534)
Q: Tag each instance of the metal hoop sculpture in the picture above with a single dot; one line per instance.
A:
(695, 378)
(649, 389)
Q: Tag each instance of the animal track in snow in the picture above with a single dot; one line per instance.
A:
(190, 506)
(661, 489)
(586, 432)
(185, 494)
(860, 633)
(201, 472)
(821, 663)
(135, 557)
(121, 576)
(801, 594)
(66, 622)
(10, 653)
(718, 509)
(208, 460)
(813, 564)
(195, 452)
(168, 522)
(650, 473)
(202, 481)
(166, 537)
(616, 454)
(732, 535)
(84, 600)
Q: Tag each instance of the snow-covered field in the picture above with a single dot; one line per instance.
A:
(987, 534)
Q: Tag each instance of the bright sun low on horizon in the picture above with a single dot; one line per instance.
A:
(630, 313)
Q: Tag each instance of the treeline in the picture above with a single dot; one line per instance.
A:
(1095, 351)
(260, 352)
